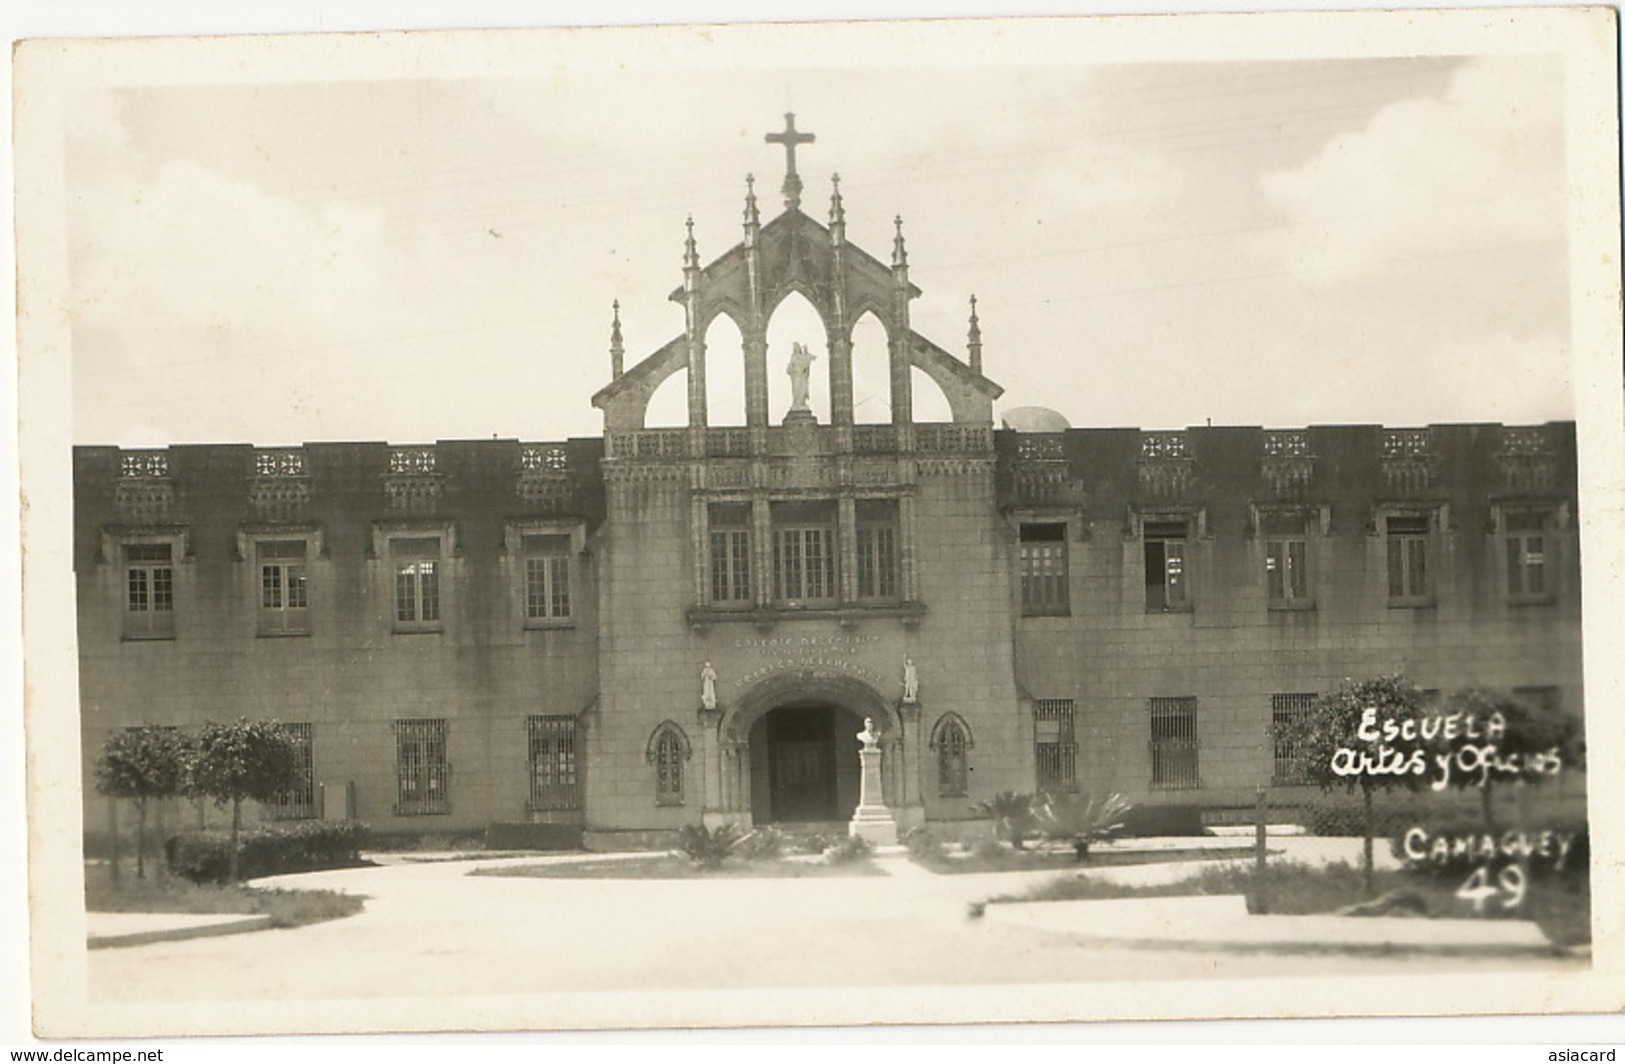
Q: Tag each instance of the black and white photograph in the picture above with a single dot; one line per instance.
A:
(825, 524)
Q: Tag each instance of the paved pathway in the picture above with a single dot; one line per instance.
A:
(430, 929)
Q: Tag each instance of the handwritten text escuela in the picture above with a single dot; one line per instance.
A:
(1455, 747)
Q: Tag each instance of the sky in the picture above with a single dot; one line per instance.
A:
(1162, 245)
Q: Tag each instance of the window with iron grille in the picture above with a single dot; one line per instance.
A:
(1055, 746)
(1286, 710)
(284, 593)
(299, 801)
(417, 583)
(667, 752)
(1407, 537)
(804, 553)
(422, 771)
(1174, 746)
(547, 578)
(1526, 545)
(149, 599)
(554, 776)
(1286, 561)
(730, 554)
(1043, 569)
(951, 741)
(877, 549)
(1167, 581)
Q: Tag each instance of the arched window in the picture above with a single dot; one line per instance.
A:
(952, 742)
(668, 750)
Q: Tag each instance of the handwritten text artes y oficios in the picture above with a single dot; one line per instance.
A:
(1453, 748)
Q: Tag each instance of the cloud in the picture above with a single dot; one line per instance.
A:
(1478, 168)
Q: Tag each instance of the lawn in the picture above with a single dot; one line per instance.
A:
(286, 908)
(994, 858)
(675, 866)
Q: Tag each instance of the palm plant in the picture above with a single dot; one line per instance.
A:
(1081, 819)
(1011, 812)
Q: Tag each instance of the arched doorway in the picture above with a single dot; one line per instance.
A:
(804, 764)
(791, 748)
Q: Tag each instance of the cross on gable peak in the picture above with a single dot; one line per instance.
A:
(790, 137)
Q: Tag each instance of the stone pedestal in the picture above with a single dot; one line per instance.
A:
(872, 821)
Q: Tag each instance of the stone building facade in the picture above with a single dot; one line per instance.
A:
(607, 639)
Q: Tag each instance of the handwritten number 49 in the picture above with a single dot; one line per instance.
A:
(1478, 889)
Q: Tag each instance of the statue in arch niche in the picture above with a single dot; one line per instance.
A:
(800, 371)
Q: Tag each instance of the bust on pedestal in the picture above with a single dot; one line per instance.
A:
(872, 821)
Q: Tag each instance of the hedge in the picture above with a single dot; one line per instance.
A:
(202, 856)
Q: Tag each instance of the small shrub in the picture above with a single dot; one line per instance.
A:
(990, 850)
(763, 844)
(850, 850)
(813, 843)
(708, 847)
(205, 856)
(1012, 815)
(924, 846)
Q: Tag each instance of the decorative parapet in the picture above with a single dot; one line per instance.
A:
(874, 439)
(413, 483)
(953, 439)
(546, 482)
(648, 443)
(1166, 468)
(727, 443)
(1528, 461)
(1042, 476)
(280, 488)
(1288, 469)
(144, 494)
(1407, 462)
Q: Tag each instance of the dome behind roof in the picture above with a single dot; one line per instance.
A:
(1034, 419)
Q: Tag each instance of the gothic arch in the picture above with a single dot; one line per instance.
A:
(663, 729)
(951, 720)
(793, 685)
(668, 750)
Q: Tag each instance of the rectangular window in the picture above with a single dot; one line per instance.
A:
(1286, 561)
(1285, 712)
(1174, 747)
(1055, 745)
(149, 583)
(422, 771)
(1545, 700)
(547, 578)
(804, 553)
(730, 554)
(1044, 575)
(299, 802)
(554, 780)
(1526, 557)
(877, 549)
(417, 583)
(284, 594)
(1167, 580)
(1408, 560)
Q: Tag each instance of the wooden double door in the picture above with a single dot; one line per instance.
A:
(811, 771)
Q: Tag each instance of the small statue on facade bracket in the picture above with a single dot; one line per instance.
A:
(708, 687)
(800, 372)
(911, 681)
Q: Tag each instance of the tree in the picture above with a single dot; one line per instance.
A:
(1533, 743)
(143, 763)
(1354, 738)
(247, 759)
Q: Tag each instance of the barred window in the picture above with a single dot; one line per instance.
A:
(299, 801)
(1286, 710)
(422, 771)
(730, 553)
(284, 595)
(149, 583)
(1043, 569)
(950, 739)
(1174, 745)
(554, 778)
(1055, 744)
(547, 577)
(417, 583)
(877, 548)
(1167, 581)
